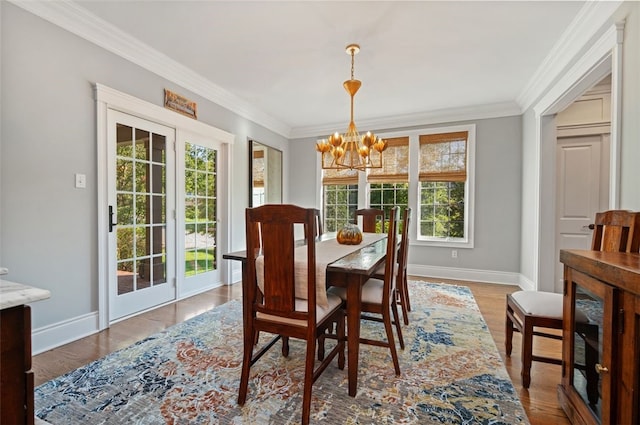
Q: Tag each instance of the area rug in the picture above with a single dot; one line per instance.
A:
(189, 374)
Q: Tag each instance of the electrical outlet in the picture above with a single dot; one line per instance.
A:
(454, 253)
(81, 181)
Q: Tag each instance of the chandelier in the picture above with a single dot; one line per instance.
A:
(350, 150)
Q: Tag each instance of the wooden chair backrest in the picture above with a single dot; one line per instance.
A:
(391, 258)
(404, 244)
(370, 219)
(319, 230)
(616, 231)
(270, 232)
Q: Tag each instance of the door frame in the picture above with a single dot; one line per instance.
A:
(603, 58)
(108, 98)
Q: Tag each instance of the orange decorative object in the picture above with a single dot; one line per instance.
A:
(350, 234)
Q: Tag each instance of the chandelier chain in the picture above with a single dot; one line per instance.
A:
(352, 62)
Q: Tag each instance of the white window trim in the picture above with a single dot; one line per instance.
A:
(413, 198)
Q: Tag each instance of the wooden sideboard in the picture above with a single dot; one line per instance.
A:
(601, 359)
(16, 377)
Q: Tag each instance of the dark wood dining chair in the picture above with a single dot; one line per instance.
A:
(371, 217)
(402, 283)
(378, 296)
(530, 311)
(319, 229)
(275, 305)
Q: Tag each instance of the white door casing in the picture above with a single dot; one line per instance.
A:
(109, 99)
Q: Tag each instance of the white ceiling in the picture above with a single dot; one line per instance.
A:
(288, 60)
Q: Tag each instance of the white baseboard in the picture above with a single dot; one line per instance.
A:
(52, 336)
(527, 284)
(236, 276)
(473, 275)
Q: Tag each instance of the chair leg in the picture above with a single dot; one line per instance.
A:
(285, 346)
(527, 352)
(401, 291)
(392, 345)
(321, 339)
(396, 319)
(249, 338)
(308, 381)
(405, 287)
(342, 339)
(508, 335)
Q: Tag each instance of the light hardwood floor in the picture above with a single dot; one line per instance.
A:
(540, 400)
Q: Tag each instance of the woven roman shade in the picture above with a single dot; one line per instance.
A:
(443, 157)
(258, 168)
(339, 176)
(395, 163)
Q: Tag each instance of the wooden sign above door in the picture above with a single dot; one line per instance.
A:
(180, 104)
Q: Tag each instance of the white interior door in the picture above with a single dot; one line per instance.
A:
(582, 190)
(141, 194)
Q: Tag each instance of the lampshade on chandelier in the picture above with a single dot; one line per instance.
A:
(350, 150)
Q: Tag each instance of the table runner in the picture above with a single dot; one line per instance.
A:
(327, 252)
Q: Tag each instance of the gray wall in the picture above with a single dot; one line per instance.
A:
(48, 133)
(497, 196)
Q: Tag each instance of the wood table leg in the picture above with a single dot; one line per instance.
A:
(354, 296)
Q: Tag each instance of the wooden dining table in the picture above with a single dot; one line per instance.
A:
(350, 271)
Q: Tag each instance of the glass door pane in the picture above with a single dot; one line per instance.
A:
(199, 194)
(142, 251)
(200, 250)
(587, 347)
(141, 208)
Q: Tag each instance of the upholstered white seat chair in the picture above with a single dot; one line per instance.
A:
(530, 311)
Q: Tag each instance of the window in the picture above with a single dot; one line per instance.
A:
(430, 170)
(443, 186)
(340, 195)
(389, 185)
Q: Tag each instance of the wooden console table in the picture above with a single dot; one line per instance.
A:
(601, 388)
(16, 377)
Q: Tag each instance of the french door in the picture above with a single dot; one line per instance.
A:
(199, 172)
(141, 198)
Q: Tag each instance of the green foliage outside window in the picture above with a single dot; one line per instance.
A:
(442, 209)
(340, 204)
(385, 196)
(200, 209)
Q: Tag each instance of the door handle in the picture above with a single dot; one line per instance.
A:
(588, 227)
(111, 222)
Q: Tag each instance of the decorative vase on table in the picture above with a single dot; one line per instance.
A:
(350, 234)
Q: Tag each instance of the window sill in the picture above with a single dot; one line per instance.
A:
(451, 243)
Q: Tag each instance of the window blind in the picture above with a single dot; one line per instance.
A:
(339, 176)
(443, 157)
(395, 163)
(258, 168)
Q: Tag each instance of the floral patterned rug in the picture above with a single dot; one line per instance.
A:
(189, 374)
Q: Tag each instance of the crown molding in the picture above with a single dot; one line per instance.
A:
(441, 116)
(77, 20)
(590, 19)
(70, 16)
